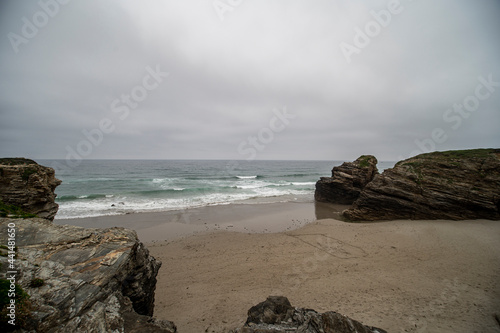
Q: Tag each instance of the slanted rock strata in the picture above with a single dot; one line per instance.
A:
(94, 280)
(347, 181)
(28, 185)
(454, 185)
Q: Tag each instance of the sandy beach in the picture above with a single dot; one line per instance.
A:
(402, 276)
(155, 227)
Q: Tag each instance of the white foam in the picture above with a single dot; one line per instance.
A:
(303, 183)
(117, 205)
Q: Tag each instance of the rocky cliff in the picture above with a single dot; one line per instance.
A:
(276, 315)
(28, 185)
(452, 185)
(347, 181)
(83, 280)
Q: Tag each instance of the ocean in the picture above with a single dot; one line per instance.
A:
(116, 187)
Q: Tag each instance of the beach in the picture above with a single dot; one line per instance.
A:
(402, 276)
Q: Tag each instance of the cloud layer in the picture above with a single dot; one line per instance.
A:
(410, 63)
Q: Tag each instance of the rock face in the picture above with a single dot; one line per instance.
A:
(276, 315)
(28, 185)
(347, 181)
(452, 185)
(94, 280)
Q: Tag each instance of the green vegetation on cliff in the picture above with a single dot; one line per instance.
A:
(16, 161)
(13, 211)
(22, 306)
(364, 161)
(452, 154)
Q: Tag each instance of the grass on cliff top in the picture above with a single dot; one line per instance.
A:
(13, 211)
(364, 161)
(451, 155)
(16, 161)
(470, 153)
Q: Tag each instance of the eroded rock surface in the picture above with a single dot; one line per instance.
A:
(94, 280)
(454, 185)
(276, 315)
(347, 181)
(28, 185)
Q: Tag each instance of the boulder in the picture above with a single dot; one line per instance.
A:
(87, 280)
(28, 185)
(347, 181)
(276, 315)
(453, 185)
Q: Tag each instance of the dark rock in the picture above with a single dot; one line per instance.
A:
(452, 185)
(95, 280)
(276, 315)
(273, 309)
(347, 181)
(28, 185)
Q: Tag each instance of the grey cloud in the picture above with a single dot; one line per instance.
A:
(226, 77)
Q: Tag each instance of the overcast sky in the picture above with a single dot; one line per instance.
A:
(283, 79)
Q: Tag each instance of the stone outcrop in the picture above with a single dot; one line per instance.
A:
(347, 181)
(452, 185)
(92, 280)
(28, 185)
(276, 315)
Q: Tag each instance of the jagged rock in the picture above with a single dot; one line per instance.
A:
(94, 280)
(347, 181)
(276, 315)
(274, 309)
(28, 185)
(452, 185)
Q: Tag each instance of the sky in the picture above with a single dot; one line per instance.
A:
(244, 80)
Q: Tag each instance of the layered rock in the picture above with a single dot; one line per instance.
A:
(28, 185)
(452, 185)
(276, 315)
(93, 280)
(347, 181)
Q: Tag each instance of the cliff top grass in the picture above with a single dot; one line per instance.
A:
(451, 155)
(460, 154)
(364, 160)
(16, 161)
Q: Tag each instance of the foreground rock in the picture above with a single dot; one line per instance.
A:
(28, 185)
(454, 185)
(347, 181)
(87, 280)
(276, 315)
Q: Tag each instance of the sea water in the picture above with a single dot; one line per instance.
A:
(115, 187)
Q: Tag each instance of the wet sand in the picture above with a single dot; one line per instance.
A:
(402, 276)
(252, 218)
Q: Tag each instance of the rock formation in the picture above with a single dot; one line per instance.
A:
(276, 315)
(452, 185)
(88, 280)
(347, 181)
(28, 185)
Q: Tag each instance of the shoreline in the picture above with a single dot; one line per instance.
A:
(154, 227)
